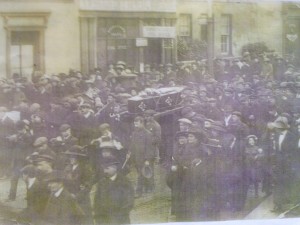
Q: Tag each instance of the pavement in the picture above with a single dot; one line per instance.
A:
(20, 203)
(263, 210)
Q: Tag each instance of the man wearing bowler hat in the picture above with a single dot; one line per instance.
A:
(114, 197)
(37, 194)
(285, 152)
(79, 179)
(61, 207)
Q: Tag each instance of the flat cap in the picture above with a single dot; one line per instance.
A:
(64, 127)
(40, 141)
(150, 112)
(185, 120)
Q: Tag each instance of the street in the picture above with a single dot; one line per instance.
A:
(150, 208)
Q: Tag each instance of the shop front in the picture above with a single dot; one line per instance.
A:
(138, 37)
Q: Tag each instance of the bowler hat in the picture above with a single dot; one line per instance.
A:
(110, 161)
(180, 134)
(37, 157)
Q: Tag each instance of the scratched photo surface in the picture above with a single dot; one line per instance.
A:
(149, 111)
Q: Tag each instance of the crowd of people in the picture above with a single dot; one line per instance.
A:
(66, 134)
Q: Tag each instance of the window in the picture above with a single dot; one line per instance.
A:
(185, 25)
(225, 28)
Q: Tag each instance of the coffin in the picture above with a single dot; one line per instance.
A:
(162, 99)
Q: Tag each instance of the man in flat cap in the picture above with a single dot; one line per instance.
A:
(83, 124)
(64, 141)
(184, 124)
(154, 127)
(41, 146)
(170, 75)
(114, 197)
(142, 149)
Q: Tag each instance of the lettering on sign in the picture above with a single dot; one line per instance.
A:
(141, 42)
(159, 32)
(129, 5)
(117, 32)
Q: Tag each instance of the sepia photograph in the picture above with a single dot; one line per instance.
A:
(149, 112)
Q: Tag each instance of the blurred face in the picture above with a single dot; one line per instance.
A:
(183, 126)
(105, 132)
(66, 133)
(182, 140)
(207, 124)
(42, 147)
(251, 141)
(54, 186)
(202, 94)
(36, 119)
(116, 108)
(110, 99)
(192, 138)
(84, 110)
(25, 177)
(119, 70)
(138, 124)
(73, 161)
(133, 92)
(110, 171)
(148, 117)
(106, 153)
(235, 118)
(43, 81)
(227, 94)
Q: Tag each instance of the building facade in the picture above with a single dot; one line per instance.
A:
(53, 36)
